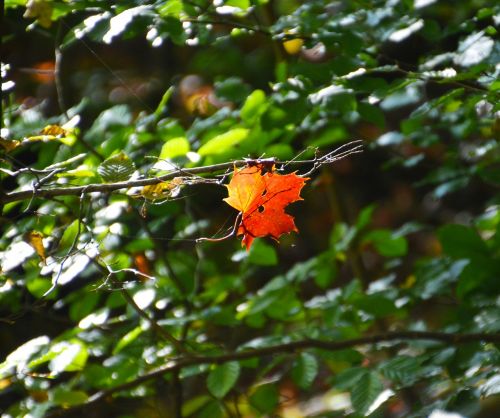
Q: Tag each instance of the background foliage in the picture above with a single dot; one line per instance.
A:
(109, 306)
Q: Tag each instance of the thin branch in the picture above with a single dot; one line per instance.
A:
(130, 300)
(178, 394)
(71, 249)
(175, 365)
(331, 157)
(154, 325)
(353, 147)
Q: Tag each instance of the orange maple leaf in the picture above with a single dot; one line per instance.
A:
(261, 199)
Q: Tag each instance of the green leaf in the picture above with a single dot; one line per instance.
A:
(401, 369)
(280, 151)
(94, 27)
(491, 386)
(375, 304)
(253, 107)
(119, 167)
(127, 339)
(372, 114)
(232, 89)
(242, 4)
(66, 398)
(69, 235)
(459, 241)
(365, 217)
(165, 98)
(366, 390)
(172, 8)
(262, 254)
(37, 286)
(224, 142)
(65, 356)
(222, 378)
(119, 23)
(212, 409)
(175, 147)
(386, 243)
(22, 354)
(192, 405)
(348, 378)
(14, 3)
(265, 399)
(304, 370)
(70, 357)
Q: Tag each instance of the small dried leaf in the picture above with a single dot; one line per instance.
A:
(35, 239)
(55, 130)
(8, 144)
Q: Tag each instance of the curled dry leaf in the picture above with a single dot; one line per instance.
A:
(261, 199)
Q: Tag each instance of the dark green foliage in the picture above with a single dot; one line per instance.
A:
(131, 315)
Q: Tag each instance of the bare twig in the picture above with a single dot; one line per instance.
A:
(130, 300)
(353, 147)
(71, 249)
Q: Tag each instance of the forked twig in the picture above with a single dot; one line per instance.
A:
(353, 147)
(341, 152)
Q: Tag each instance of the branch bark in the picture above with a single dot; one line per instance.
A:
(343, 151)
(176, 365)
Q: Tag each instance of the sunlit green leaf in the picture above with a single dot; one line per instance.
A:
(175, 147)
(224, 142)
(386, 243)
(262, 254)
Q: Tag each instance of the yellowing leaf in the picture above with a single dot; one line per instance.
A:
(156, 191)
(41, 10)
(8, 144)
(293, 46)
(55, 132)
(35, 239)
(162, 190)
